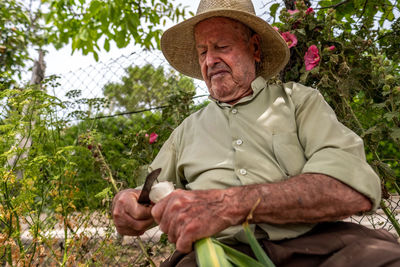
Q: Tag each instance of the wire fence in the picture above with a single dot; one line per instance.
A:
(90, 80)
(89, 237)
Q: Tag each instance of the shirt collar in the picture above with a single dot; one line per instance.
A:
(257, 85)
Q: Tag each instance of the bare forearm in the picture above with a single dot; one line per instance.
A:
(187, 216)
(305, 198)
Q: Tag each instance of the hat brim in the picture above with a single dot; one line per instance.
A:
(178, 44)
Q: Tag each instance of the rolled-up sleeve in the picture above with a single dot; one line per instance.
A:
(330, 147)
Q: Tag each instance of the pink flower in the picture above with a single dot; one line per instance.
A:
(291, 12)
(276, 28)
(290, 39)
(146, 135)
(311, 57)
(153, 138)
(310, 10)
(331, 48)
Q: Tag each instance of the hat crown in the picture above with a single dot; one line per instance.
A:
(237, 5)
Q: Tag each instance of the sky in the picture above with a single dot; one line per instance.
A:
(63, 61)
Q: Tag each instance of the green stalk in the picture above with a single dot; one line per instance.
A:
(210, 254)
(255, 246)
(391, 217)
(141, 245)
(253, 242)
(238, 258)
(396, 187)
(110, 176)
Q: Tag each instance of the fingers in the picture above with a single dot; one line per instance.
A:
(175, 217)
(130, 218)
(138, 211)
(187, 216)
(184, 243)
(132, 227)
(166, 211)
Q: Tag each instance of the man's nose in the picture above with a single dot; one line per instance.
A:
(212, 58)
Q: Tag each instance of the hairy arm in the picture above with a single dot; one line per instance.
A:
(306, 198)
(187, 216)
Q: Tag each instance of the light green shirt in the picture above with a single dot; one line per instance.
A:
(277, 132)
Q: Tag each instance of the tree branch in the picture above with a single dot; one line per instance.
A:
(334, 6)
(363, 10)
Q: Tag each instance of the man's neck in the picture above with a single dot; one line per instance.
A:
(234, 101)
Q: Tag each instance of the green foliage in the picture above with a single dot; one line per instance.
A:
(389, 41)
(48, 167)
(146, 87)
(16, 33)
(37, 174)
(85, 22)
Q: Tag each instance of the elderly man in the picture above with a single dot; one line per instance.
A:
(280, 144)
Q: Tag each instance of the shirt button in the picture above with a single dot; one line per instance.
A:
(239, 142)
(242, 171)
(234, 111)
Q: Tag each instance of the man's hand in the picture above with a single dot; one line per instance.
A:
(187, 216)
(130, 218)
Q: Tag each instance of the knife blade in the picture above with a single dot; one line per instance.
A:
(148, 183)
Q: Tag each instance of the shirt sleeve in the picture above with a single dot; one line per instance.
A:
(330, 147)
(166, 159)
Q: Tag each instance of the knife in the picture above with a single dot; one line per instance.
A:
(148, 183)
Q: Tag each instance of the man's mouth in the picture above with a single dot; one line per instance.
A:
(217, 74)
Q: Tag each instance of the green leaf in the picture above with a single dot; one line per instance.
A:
(94, 6)
(238, 258)
(120, 39)
(84, 35)
(273, 10)
(104, 194)
(301, 31)
(95, 55)
(304, 76)
(390, 115)
(26, 17)
(210, 254)
(395, 134)
(325, 3)
(107, 45)
(255, 246)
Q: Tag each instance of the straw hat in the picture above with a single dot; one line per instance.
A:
(178, 44)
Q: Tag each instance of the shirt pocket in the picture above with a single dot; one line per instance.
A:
(288, 152)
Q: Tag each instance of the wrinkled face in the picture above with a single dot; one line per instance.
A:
(227, 54)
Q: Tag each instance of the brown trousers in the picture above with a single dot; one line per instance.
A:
(333, 244)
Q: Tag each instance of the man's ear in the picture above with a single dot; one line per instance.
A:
(255, 44)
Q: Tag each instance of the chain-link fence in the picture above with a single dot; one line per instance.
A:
(88, 236)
